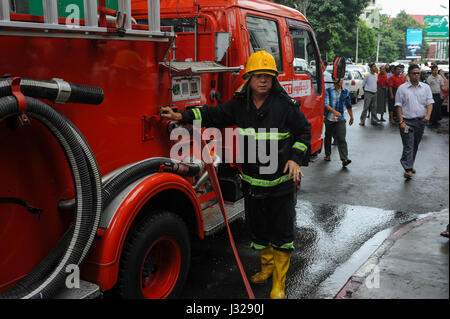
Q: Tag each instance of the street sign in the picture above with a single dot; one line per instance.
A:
(436, 27)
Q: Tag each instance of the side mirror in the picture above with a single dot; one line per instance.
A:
(339, 67)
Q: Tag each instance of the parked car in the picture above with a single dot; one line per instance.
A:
(300, 65)
(353, 81)
(363, 69)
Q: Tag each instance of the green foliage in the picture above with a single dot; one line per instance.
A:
(367, 42)
(393, 36)
(335, 24)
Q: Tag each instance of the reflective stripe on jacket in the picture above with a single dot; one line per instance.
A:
(290, 130)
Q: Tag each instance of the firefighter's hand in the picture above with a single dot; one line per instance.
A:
(169, 114)
(294, 170)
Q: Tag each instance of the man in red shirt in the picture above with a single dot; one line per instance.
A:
(394, 81)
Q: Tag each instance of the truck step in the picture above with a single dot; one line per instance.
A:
(87, 290)
(213, 219)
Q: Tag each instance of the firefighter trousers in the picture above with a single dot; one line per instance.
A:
(271, 221)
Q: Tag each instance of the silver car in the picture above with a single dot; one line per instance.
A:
(363, 69)
(353, 81)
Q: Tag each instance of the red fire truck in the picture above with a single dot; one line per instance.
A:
(85, 173)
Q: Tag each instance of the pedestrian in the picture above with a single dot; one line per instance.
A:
(390, 71)
(328, 79)
(435, 81)
(381, 93)
(394, 82)
(336, 98)
(444, 94)
(262, 103)
(423, 76)
(414, 102)
(370, 95)
(402, 72)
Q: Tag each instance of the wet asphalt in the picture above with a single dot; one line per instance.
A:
(342, 215)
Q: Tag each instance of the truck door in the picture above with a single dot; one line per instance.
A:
(307, 79)
(264, 34)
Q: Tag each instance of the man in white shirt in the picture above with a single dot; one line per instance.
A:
(370, 96)
(414, 102)
(435, 81)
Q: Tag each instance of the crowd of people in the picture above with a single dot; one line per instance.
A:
(413, 100)
(388, 79)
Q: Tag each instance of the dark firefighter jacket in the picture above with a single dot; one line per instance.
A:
(278, 111)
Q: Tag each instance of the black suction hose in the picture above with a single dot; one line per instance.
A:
(90, 197)
(49, 276)
(152, 165)
(56, 90)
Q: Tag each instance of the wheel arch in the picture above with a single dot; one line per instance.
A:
(162, 190)
(165, 200)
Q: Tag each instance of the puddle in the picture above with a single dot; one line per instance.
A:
(327, 236)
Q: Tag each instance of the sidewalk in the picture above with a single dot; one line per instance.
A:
(413, 263)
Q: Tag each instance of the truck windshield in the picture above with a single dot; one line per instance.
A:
(264, 35)
(305, 56)
(179, 24)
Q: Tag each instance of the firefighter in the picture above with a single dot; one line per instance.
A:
(259, 104)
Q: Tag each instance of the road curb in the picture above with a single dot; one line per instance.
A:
(358, 278)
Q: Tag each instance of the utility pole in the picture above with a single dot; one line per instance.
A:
(357, 41)
(378, 46)
(376, 25)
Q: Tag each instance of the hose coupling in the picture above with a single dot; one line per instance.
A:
(64, 91)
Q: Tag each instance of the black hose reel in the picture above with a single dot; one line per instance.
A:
(49, 275)
(90, 195)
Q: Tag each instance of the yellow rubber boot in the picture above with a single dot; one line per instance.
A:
(281, 261)
(267, 266)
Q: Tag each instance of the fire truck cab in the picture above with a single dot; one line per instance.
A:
(86, 178)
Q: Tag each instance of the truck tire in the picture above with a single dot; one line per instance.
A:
(155, 259)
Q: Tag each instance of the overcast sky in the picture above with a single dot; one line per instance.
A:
(425, 7)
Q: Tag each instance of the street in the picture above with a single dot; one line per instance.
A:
(343, 214)
(111, 118)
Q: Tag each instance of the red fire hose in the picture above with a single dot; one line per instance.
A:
(216, 187)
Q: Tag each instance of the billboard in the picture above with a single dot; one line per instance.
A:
(436, 27)
(414, 43)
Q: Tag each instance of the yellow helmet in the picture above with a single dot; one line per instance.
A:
(260, 62)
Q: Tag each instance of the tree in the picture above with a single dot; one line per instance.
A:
(334, 23)
(367, 47)
(393, 36)
(391, 40)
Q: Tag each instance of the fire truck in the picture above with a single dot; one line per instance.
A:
(87, 184)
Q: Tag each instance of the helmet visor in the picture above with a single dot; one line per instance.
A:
(269, 72)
